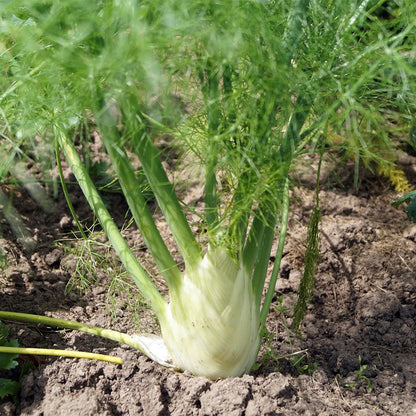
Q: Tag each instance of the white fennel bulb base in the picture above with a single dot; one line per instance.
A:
(211, 327)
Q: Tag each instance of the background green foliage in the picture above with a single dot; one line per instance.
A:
(356, 59)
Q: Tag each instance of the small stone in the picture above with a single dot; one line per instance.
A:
(410, 233)
(53, 258)
(65, 222)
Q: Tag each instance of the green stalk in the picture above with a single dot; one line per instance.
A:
(278, 256)
(133, 267)
(263, 257)
(237, 228)
(263, 233)
(167, 199)
(77, 326)
(137, 203)
(61, 353)
(293, 135)
(210, 192)
(211, 93)
(251, 248)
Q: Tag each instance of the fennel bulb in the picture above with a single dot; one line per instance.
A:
(212, 325)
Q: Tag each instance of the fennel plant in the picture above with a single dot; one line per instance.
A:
(262, 81)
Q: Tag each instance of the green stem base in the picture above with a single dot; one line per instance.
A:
(61, 353)
(62, 323)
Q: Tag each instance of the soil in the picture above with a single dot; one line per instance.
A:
(356, 354)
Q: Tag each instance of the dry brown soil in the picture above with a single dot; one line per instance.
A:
(364, 306)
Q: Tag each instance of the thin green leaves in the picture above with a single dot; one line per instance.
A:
(296, 19)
